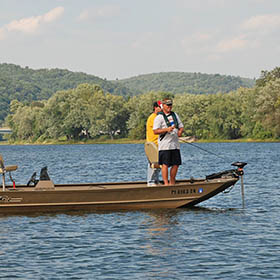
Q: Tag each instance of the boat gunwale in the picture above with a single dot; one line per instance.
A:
(114, 186)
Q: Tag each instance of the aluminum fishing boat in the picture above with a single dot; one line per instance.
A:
(42, 195)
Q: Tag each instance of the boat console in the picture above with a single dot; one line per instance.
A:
(44, 181)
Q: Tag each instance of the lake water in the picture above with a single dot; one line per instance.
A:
(218, 240)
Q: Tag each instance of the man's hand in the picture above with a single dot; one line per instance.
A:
(170, 128)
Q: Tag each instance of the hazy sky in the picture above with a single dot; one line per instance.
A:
(124, 38)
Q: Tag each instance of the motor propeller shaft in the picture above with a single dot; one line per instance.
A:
(240, 172)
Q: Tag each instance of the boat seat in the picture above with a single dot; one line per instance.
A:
(4, 169)
(151, 151)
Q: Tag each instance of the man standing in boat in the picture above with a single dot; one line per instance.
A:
(153, 173)
(168, 127)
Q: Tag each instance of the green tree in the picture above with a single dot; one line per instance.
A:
(140, 108)
(25, 121)
(267, 76)
(268, 107)
(56, 111)
(116, 115)
(224, 117)
(192, 110)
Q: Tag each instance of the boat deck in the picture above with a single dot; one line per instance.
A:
(110, 186)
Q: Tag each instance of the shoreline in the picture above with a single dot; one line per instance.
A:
(131, 141)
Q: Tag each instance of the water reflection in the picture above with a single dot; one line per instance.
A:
(160, 221)
(160, 228)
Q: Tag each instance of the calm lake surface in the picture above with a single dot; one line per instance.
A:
(218, 240)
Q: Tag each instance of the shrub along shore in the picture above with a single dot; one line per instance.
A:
(129, 141)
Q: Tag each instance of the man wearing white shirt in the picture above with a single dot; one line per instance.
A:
(169, 127)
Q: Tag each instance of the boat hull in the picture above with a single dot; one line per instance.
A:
(110, 196)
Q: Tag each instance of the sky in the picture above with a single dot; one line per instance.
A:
(117, 39)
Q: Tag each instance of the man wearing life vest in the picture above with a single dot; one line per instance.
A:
(153, 173)
(168, 127)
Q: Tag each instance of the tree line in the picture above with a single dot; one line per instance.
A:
(88, 112)
(27, 85)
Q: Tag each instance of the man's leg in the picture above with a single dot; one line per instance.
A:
(150, 173)
(156, 175)
(164, 173)
(173, 173)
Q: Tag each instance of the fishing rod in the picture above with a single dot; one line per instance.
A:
(239, 166)
(212, 153)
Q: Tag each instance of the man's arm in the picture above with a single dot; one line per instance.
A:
(180, 131)
(157, 128)
(181, 126)
(163, 130)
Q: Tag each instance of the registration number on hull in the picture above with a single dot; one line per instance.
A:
(186, 191)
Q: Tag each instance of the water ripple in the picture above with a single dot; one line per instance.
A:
(218, 240)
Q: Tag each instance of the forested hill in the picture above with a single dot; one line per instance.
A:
(25, 84)
(180, 82)
(48, 81)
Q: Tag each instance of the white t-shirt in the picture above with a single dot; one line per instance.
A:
(171, 140)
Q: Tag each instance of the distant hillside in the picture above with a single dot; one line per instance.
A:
(25, 84)
(179, 82)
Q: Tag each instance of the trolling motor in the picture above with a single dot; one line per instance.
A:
(240, 172)
(234, 173)
(239, 166)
